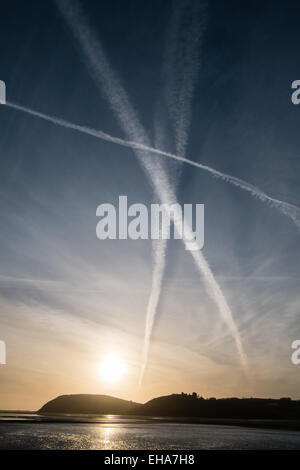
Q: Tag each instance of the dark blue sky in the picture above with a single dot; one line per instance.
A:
(53, 269)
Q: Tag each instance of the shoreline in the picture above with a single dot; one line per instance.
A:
(275, 424)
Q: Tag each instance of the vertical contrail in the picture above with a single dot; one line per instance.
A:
(159, 248)
(159, 262)
(181, 65)
(118, 99)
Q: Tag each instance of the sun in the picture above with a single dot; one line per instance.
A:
(112, 368)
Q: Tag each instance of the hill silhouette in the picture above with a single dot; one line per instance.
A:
(88, 404)
(185, 405)
(178, 405)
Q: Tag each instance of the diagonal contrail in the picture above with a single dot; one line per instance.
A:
(116, 95)
(290, 210)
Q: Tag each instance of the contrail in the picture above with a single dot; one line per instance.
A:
(289, 210)
(180, 70)
(159, 248)
(117, 97)
(181, 64)
(159, 262)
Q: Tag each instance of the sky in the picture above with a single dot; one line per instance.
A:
(68, 299)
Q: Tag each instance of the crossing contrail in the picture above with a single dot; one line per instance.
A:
(118, 99)
(211, 284)
(180, 67)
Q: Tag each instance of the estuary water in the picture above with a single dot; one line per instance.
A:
(134, 434)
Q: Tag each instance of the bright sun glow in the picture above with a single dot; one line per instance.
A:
(112, 368)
